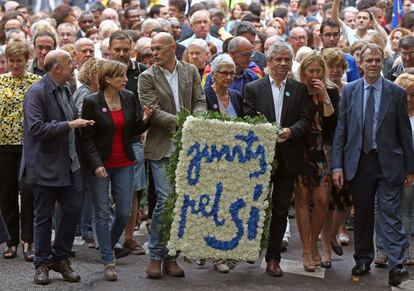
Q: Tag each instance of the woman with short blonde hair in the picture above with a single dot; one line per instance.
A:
(13, 86)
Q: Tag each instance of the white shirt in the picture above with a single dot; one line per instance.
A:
(351, 34)
(277, 93)
(209, 38)
(172, 79)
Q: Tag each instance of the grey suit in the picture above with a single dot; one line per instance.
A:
(380, 173)
(154, 89)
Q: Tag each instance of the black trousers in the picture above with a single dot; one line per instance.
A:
(9, 194)
(70, 199)
(282, 194)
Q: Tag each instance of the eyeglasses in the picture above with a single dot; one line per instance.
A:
(407, 54)
(224, 73)
(159, 48)
(297, 38)
(329, 34)
(246, 54)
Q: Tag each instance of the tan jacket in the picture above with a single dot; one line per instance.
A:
(154, 89)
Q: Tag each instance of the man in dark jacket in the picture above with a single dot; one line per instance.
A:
(50, 163)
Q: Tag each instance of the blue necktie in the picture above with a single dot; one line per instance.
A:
(367, 142)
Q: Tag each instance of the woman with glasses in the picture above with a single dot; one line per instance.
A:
(219, 97)
(314, 179)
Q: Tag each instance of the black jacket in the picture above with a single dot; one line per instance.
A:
(97, 139)
(296, 115)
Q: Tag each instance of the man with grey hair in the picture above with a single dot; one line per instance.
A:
(148, 26)
(298, 38)
(50, 163)
(84, 50)
(66, 33)
(201, 24)
(85, 22)
(285, 101)
(198, 54)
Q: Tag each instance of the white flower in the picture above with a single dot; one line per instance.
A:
(236, 184)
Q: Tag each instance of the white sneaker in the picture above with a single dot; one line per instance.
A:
(343, 238)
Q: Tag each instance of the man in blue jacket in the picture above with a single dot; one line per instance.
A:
(50, 163)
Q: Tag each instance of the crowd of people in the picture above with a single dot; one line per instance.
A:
(89, 97)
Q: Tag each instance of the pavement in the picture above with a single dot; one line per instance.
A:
(16, 274)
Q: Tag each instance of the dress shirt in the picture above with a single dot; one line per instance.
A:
(63, 93)
(377, 96)
(209, 38)
(277, 93)
(172, 79)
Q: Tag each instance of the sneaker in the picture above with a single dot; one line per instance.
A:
(134, 247)
(41, 276)
(121, 252)
(221, 266)
(343, 238)
(110, 272)
(408, 261)
(65, 269)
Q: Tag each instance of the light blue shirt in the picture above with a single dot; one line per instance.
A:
(377, 102)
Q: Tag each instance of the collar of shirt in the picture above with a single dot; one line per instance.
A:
(377, 85)
(273, 82)
(167, 72)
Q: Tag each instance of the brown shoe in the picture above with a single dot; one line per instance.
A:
(42, 275)
(172, 269)
(154, 269)
(273, 268)
(64, 268)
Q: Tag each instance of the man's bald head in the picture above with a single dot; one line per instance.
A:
(271, 40)
(237, 42)
(241, 50)
(163, 46)
(55, 57)
(164, 38)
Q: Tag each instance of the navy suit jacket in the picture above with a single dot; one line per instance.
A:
(212, 101)
(393, 135)
(45, 157)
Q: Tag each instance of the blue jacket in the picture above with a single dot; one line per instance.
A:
(235, 98)
(45, 158)
(393, 133)
(352, 73)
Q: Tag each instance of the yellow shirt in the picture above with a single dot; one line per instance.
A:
(12, 91)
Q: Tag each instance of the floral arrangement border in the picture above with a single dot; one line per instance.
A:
(168, 212)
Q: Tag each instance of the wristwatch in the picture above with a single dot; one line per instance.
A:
(327, 101)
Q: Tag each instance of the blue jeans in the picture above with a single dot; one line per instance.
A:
(407, 211)
(86, 225)
(163, 189)
(406, 214)
(108, 232)
(70, 200)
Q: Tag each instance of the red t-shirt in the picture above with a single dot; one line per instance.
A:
(118, 157)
